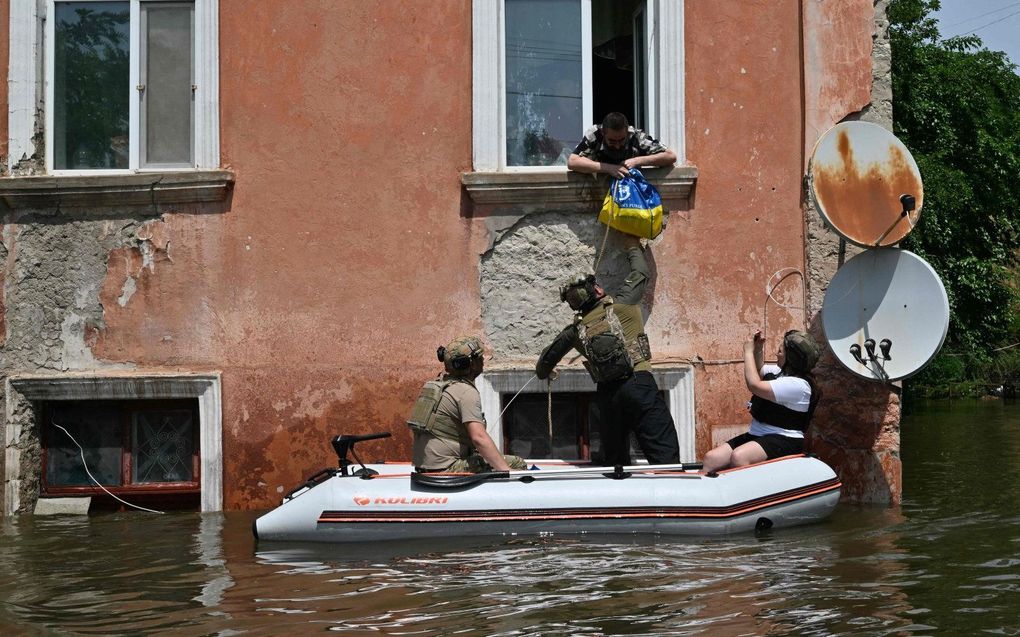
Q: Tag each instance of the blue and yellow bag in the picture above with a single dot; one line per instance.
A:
(633, 206)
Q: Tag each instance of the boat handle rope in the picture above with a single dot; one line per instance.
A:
(499, 418)
(548, 390)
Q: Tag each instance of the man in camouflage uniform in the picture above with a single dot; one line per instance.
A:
(609, 333)
(614, 147)
(447, 420)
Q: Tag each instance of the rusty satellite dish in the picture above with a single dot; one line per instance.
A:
(885, 314)
(865, 184)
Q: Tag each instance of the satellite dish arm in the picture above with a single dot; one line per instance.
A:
(908, 202)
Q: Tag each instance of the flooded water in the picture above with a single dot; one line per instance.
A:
(946, 562)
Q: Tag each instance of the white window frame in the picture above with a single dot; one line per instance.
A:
(677, 382)
(665, 67)
(30, 83)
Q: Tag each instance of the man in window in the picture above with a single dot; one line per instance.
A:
(614, 147)
(609, 333)
(447, 420)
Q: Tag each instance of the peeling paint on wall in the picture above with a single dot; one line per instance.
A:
(522, 273)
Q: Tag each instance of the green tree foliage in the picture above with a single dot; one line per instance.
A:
(957, 108)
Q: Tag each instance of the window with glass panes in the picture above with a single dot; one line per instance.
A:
(567, 64)
(134, 446)
(121, 85)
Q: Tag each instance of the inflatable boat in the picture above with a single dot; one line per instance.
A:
(390, 502)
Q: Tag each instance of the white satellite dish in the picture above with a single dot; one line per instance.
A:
(865, 184)
(885, 314)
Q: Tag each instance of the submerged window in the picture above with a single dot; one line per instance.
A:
(572, 435)
(523, 426)
(567, 64)
(130, 447)
(122, 85)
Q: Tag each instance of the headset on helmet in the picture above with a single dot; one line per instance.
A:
(460, 353)
(578, 291)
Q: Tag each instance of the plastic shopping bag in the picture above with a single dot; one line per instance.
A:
(633, 206)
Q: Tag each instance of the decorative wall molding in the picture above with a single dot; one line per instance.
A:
(205, 387)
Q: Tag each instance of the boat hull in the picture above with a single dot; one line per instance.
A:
(781, 493)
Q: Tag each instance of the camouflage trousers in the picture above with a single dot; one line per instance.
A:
(475, 464)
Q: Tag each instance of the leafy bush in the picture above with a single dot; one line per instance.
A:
(956, 106)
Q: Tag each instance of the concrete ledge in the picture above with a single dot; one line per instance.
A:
(63, 506)
(558, 186)
(127, 189)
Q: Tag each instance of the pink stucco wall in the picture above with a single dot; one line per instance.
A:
(344, 241)
(348, 241)
(743, 88)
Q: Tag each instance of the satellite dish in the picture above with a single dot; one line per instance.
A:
(865, 184)
(885, 314)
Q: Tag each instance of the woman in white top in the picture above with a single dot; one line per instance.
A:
(782, 403)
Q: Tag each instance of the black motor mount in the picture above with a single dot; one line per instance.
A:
(344, 443)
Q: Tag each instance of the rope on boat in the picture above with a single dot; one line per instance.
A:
(548, 391)
(499, 418)
(602, 250)
(89, 473)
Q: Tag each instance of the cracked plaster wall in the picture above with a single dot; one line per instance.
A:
(522, 272)
(54, 271)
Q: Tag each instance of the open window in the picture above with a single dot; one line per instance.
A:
(545, 70)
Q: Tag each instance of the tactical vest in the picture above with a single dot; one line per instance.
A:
(425, 416)
(767, 412)
(610, 356)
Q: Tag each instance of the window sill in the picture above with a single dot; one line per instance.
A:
(556, 188)
(132, 189)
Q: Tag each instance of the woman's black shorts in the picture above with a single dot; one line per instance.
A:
(775, 445)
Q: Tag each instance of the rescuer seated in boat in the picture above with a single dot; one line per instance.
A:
(609, 333)
(447, 420)
(783, 400)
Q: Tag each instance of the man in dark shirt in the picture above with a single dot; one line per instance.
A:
(614, 147)
(609, 333)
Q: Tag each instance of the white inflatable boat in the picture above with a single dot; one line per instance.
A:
(389, 502)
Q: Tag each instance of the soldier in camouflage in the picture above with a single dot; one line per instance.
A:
(609, 333)
(447, 419)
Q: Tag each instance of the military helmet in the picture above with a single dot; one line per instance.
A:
(578, 291)
(459, 353)
(801, 350)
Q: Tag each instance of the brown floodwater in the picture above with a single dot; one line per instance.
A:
(945, 562)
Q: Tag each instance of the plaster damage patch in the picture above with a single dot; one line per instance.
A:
(314, 403)
(153, 246)
(522, 272)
